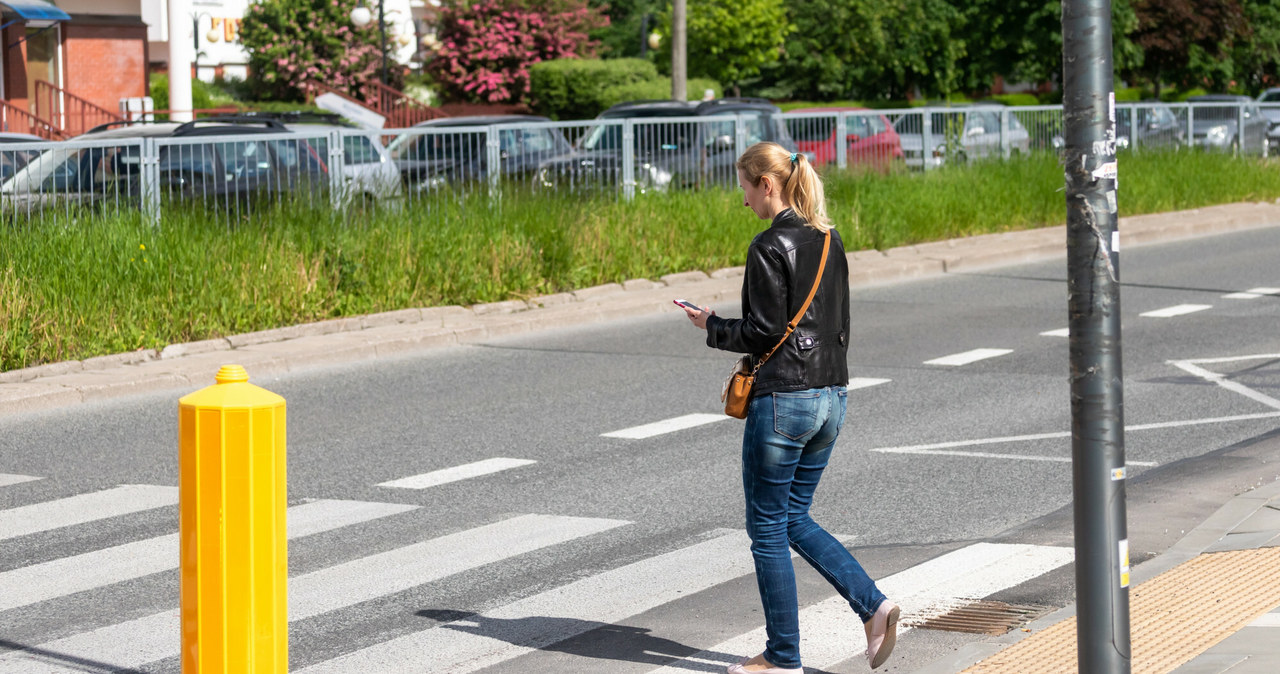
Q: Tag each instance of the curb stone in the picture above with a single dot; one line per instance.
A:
(290, 348)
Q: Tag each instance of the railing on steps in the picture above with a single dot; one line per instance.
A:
(400, 109)
(16, 120)
(72, 114)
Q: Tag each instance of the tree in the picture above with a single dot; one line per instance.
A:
(1256, 57)
(630, 22)
(1021, 40)
(1187, 41)
(486, 48)
(293, 44)
(729, 40)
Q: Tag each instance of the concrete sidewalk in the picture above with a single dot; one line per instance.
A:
(192, 365)
(1209, 604)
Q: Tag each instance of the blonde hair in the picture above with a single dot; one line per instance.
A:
(801, 185)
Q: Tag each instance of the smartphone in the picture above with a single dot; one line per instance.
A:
(687, 304)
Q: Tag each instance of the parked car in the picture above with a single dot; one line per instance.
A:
(870, 140)
(1218, 127)
(107, 169)
(958, 134)
(1270, 107)
(685, 153)
(1157, 126)
(431, 161)
(12, 160)
(367, 168)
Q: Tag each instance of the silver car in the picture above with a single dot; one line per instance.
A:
(958, 134)
(1216, 124)
(1269, 103)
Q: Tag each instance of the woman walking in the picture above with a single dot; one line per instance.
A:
(798, 402)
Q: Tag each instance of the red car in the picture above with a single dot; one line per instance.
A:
(871, 140)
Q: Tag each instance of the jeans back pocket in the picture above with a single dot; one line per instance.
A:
(795, 415)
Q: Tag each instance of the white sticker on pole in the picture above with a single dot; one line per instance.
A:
(1124, 563)
(1105, 172)
(1117, 473)
(1115, 241)
(1111, 201)
(1111, 107)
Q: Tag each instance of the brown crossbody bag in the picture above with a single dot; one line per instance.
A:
(737, 388)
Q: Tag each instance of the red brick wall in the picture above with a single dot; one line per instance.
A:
(104, 63)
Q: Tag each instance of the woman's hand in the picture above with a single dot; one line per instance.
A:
(698, 317)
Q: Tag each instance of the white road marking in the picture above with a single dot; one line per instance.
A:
(122, 500)
(1221, 380)
(1252, 293)
(155, 637)
(958, 359)
(464, 472)
(830, 632)
(991, 455)
(1060, 332)
(865, 382)
(1177, 310)
(937, 446)
(665, 426)
(7, 479)
(60, 577)
(407, 567)
(481, 641)
(1266, 620)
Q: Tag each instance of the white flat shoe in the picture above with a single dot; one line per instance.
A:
(741, 669)
(882, 634)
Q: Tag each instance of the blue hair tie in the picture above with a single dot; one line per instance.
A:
(794, 156)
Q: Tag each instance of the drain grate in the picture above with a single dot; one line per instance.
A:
(980, 617)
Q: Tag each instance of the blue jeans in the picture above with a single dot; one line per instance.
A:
(785, 447)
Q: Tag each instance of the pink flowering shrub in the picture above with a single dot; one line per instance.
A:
(293, 44)
(486, 48)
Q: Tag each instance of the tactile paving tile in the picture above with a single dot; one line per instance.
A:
(1172, 618)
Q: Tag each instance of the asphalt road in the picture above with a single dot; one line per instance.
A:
(934, 460)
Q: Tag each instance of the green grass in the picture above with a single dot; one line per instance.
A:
(92, 284)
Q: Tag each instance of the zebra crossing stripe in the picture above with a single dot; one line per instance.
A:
(830, 632)
(60, 577)
(122, 500)
(456, 473)
(665, 426)
(7, 479)
(481, 641)
(155, 637)
(403, 568)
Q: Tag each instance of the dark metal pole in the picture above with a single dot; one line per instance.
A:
(382, 28)
(1097, 389)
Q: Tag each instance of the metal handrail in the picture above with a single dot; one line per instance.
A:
(72, 114)
(17, 120)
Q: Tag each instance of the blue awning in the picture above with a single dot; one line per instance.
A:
(34, 10)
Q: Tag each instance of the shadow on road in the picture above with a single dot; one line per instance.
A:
(590, 639)
(62, 660)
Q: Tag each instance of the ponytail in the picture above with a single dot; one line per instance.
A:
(800, 183)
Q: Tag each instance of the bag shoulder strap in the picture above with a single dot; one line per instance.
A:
(822, 265)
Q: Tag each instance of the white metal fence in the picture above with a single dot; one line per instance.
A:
(233, 171)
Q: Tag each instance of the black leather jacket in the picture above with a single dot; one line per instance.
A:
(781, 265)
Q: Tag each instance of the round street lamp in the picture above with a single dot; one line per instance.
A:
(361, 17)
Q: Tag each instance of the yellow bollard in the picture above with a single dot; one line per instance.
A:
(232, 499)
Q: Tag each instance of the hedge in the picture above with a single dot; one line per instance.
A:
(573, 88)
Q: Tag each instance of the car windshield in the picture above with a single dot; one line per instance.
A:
(665, 136)
(1218, 112)
(1270, 97)
(811, 128)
